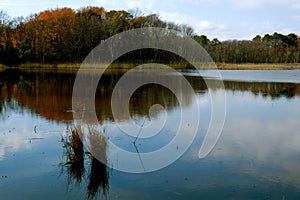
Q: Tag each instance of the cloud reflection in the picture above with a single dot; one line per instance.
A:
(19, 128)
(260, 138)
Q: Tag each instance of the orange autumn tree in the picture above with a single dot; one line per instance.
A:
(52, 31)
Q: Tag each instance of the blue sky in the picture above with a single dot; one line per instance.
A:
(224, 19)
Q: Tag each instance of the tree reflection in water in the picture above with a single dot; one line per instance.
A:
(76, 160)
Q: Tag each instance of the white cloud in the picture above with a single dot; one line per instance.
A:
(208, 26)
(200, 26)
(205, 25)
(211, 30)
(176, 17)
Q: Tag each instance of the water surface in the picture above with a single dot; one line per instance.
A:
(257, 156)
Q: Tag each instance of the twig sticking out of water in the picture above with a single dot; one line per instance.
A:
(139, 133)
(134, 144)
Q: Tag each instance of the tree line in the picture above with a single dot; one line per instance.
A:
(64, 35)
(276, 48)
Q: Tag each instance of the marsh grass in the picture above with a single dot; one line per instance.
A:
(260, 66)
(74, 165)
(123, 67)
(2, 67)
(74, 156)
(99, 176)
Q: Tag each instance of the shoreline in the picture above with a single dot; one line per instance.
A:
(258, 66)
(126, 66)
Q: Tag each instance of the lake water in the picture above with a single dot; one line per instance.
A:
(257, 155)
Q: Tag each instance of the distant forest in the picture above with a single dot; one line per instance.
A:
(64, 35)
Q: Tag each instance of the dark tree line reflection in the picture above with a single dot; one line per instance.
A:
(49, 94)
(77, 161)
(265, 89)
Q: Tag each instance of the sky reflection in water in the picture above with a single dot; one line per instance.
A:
(257, 156)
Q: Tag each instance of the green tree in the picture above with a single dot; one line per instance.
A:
(25, 50)
(203, 40)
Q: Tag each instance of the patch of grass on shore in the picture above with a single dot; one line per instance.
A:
(259, 66)
(73, 67)
(65, 66)
(3, 67)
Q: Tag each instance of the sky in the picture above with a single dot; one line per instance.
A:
(222, 19)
